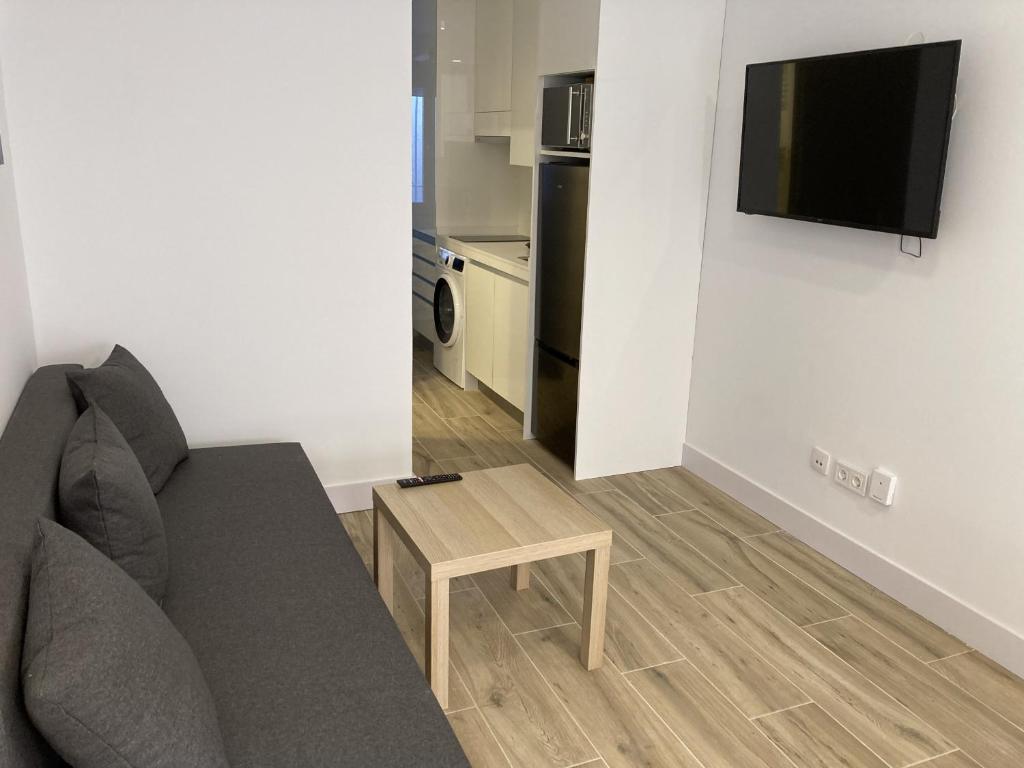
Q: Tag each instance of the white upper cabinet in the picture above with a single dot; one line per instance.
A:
(494, 21)
(524, 81)
(567, 36)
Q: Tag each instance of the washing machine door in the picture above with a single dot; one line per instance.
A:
(448, 318)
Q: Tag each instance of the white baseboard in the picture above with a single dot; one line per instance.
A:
(352, 497)
(959, 619)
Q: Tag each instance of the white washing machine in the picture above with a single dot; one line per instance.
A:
(450, 317)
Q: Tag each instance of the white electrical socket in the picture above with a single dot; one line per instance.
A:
(850, 478)
(882, 487)
(821, 461)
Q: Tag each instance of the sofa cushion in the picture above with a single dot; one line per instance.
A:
(107, 678)
(304, 661)
(127, 392)
(30, 451)
(106, 499)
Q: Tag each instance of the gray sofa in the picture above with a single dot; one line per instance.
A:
(303, 659)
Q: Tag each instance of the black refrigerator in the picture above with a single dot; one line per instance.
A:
(561, 250)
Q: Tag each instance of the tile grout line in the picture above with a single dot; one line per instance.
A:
(544, 629)
(825, 621)
(951, 656)
(758, 535)
(786, 709)
(931, 759)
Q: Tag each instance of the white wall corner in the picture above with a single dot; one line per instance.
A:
(956, 617)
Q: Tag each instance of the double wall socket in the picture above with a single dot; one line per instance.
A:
(881, 486)
(850, 478)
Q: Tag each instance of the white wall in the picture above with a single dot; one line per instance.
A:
(657, 74)
(809, 334)
(224, 189)
(17, 346)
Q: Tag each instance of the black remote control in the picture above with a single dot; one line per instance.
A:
(415, 482)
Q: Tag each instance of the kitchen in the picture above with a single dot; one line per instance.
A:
(495, 85)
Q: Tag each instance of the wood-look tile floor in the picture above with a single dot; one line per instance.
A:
(730, 644)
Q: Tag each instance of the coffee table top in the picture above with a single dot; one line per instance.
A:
(490, 519)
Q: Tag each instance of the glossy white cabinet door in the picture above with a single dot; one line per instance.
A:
(479, 284)
(524, 82)
(511, 306)
(494, 20)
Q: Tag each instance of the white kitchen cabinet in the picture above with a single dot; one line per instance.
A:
(525, 31)
(479, 284)
(511, 306)
(494, 20)
(497, 307)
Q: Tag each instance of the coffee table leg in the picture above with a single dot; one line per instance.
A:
(437, 638)
(521, 577)
(595, 601)
(384, 559)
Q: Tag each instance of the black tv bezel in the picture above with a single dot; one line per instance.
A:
(950, 109)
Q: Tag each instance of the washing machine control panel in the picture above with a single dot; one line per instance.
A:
(450, 260)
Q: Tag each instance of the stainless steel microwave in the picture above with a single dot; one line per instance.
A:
(567, 116)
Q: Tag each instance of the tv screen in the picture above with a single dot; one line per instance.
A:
(855, 139)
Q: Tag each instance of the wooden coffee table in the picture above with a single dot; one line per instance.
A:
(492, 518)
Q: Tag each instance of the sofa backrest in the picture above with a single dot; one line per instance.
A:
(30, 454)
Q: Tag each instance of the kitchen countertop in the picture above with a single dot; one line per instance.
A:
(502, 257)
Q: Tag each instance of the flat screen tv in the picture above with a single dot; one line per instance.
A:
(854, 139)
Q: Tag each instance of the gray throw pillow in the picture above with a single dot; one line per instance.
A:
(106, 499)
(131, 397)
(107, 679)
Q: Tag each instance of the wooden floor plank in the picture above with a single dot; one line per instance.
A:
(715, 731)
(422, 462)
(528, 721)
(679, 561)
(623, 728)
(992, 741)
(648, 494)
(434, 434)
(769, 581)
(884, 725)
(558, 470)
(476, 739)
(444, 398)
(752, 684)
(890, 617)
(630, 641)
(524, 611)
(493, 413)
(463, 464)
(359, 526)
(993, 685)
(720, 507)
(486, 442)
(812, 739)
